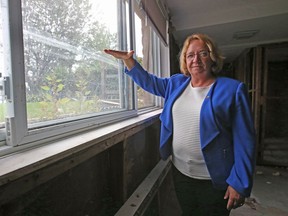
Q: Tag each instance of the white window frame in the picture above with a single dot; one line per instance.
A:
(17, 129)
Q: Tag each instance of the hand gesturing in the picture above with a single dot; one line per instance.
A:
(125, 56)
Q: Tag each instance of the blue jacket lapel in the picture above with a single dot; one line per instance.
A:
(208, 126)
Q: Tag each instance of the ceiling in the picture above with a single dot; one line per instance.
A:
(223, 19)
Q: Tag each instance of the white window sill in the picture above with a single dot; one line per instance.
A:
(22, 163)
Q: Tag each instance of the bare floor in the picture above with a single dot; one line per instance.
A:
(269, 195)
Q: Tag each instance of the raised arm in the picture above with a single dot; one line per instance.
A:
(139, 75)
(125, 56)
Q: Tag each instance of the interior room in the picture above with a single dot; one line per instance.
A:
(78, 137)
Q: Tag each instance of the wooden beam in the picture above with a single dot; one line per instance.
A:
(139, 201)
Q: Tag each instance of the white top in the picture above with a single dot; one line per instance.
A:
(187, 155)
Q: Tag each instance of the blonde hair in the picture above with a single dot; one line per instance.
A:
(215, 54)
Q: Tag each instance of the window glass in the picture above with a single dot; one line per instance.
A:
(145, 57)
(68, 79)
(67, 74)
(2, 73)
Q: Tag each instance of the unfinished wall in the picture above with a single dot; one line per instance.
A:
(265, 71)
(98, 186)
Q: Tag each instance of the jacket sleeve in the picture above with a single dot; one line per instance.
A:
(148, 81)
(244, 141)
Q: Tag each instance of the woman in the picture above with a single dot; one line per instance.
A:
(207, 127)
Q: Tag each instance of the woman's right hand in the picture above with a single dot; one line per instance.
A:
(125, 56)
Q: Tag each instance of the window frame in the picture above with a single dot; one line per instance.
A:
(17, 132)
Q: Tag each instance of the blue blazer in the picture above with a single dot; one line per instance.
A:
(227, 134)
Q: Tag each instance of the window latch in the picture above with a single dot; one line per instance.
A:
(5, 88)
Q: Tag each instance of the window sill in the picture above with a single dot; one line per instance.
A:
(91, 143)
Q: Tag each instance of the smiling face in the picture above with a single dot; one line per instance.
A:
(198, 60)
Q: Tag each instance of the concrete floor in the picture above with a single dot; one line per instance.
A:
(269, 195)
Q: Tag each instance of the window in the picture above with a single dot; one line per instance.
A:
(66, 72)
(144, 99)
(2, 97)
(147, 55)
(60, 79)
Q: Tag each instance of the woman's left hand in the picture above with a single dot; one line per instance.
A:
(235, 200)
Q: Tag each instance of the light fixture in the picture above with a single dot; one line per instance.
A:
(241, 35)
